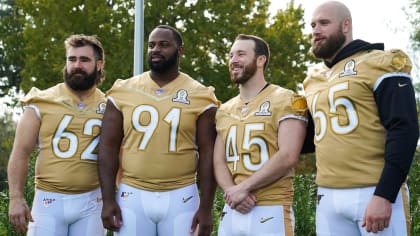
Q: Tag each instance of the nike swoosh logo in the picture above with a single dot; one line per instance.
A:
(402, 85)
(184, 200)
(262, 220)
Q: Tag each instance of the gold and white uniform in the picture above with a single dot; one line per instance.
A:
(159, 149)
(351, 141)
(68, 139)
(249, 132)
(349, 136)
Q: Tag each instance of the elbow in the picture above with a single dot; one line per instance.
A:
(290, 160)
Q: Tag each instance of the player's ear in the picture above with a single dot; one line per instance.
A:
(99, 65)
(180, 50)
(261, 59)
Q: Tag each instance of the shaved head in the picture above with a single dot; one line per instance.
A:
(338, 10)
(331, 29)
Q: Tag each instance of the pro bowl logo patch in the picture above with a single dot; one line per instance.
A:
(349, 69)
(264, 109)
(181, 96)
(101, 108)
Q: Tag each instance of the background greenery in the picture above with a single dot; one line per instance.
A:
(32, 54)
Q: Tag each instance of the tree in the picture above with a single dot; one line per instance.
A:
(11, 60)
(208, 28)
(414, 17)
(7, 127)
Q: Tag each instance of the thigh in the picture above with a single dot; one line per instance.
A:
(133, 209)
(336, 212)
(182, 204)
(87, 214)
(261, 220)
(48, 214)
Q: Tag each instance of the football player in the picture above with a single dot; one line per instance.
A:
(260, 133)
(65, 121)
(366, 129)
(163, 120)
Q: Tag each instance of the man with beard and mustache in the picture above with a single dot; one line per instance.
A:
(260, 133)
(362, 102)
(163, 121)
(65, 121)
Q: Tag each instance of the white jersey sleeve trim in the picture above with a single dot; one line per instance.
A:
(208, 107)
(390, 75)
(35, 108)
(291, 116)
(113, 102)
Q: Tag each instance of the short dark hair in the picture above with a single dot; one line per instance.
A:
(175, 32)
(261, 46)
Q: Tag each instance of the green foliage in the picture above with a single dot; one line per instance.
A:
(11, 59)
(414, 188)
(414, 18)
(304, 204)
(7, 127)
(5, 227)
(33, 36)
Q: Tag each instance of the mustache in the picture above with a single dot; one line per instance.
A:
(78, 71)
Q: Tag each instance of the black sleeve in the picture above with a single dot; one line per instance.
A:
(308, 144)
(397, 111)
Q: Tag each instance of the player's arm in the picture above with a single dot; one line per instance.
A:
(291, 134)
(221, 170)
(224, 177)
(397, 111)
(108, 163)
(309, 145)
(206, 134)
(398, 114)
(27, 131)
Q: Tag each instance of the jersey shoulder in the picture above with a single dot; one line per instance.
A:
(50, 94)
(287, 100)
(393, 60)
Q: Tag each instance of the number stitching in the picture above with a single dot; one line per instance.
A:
(231, 150)
(334, 102)
(61, 133)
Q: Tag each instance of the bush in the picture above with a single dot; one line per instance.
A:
(414, 188)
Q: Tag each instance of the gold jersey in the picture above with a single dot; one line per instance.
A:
(159, 146)
(68, 139)
(250, 135)
(349, 137)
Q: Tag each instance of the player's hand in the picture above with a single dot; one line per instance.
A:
(377, 214)
(111, 215)
(202, 223)
(247, 204)
(234, 195)
(19, 214)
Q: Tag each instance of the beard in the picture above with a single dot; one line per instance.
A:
(79, 80)
(248, 71)
(164, 65)
(330, 47)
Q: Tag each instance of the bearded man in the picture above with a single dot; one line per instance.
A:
(65, 122)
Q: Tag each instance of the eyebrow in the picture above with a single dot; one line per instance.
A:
(81, 57)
